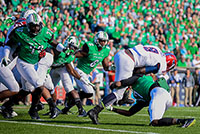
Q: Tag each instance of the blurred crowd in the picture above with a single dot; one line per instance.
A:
(172, 25)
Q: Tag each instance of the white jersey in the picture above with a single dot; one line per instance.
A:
(149, 56)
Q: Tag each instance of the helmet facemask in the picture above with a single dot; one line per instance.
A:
(101, 39)
(72, 45)
(34, 24)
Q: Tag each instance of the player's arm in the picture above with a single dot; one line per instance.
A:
(59, 47)
(147, 69)
(83, 52)
(105, 64)
(72, 71)
(133, 110)
(125, 82)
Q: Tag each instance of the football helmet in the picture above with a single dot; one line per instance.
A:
(27, 12)
(72, 41)
(71, 44)
(101, 36)
(34, 24)
(171, 61)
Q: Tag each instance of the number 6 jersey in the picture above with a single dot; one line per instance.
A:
(87, 64)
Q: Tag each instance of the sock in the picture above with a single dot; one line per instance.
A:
(36, 95)
(110, 99)
(51, 103)
(78, 103)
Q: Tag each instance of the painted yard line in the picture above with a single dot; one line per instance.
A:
(69, 126)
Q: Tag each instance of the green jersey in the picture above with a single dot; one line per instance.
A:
(143, 84)
(31, 46)
(61, 59)
(87, 64)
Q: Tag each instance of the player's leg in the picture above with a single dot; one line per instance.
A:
(8, 79)
(72, 94)
(48, 90)
(29, 73)
(160, 102)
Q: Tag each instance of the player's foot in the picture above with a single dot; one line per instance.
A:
(40, 106)
(82, 113)
(189, 123)
(6, 113)
(93, 116)
(14, 114)
(34, 114)
(65, 110)
(54, 112)
(126, 99)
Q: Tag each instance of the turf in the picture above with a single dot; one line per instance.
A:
(110, 122)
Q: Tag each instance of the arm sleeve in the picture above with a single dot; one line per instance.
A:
(85, 48)
(131, 80)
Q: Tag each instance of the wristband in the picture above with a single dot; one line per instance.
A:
(60, 47)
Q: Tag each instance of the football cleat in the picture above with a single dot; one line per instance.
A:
(65, 110)
(14, 114)
(54, 112)
(125, 99)
(34, 114)
(189, 123)
(6, 113)
(40, 106)
(82, 113)
(93, 116)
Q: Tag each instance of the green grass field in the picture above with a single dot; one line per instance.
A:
(110, 123)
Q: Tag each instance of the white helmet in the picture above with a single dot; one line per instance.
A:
(72, 41)
(27, 12)
(100, 36)
(34, 24)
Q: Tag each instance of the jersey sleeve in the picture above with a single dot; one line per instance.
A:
(48, 34)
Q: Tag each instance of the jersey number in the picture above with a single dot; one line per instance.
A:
(151, 49)
(94, 63)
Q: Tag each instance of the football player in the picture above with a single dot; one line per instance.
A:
(42, 68)
(34, 40)
(91, 54)
(10, 86)
(153, 94)
(148, 59)
(62, 68)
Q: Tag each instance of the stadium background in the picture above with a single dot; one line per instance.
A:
(172, 25)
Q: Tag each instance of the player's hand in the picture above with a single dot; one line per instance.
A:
(115, 85)
(112, 67)
(85, 80)
(109, 108)
(5, 61)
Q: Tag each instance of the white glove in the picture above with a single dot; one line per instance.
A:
(85, 80)
(109, 108)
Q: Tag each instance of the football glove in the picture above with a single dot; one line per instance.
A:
(85, 80)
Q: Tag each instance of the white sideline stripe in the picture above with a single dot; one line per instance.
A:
(69, 126)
